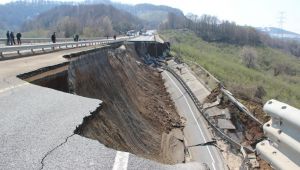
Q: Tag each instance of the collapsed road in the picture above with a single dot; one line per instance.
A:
(132, 112)
(196, 130)
(136, 115)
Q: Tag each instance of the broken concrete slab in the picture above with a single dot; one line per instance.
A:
(238, 136)
(215, 111)
(225, 124)
(207, 105)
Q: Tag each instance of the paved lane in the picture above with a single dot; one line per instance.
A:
(196, 130)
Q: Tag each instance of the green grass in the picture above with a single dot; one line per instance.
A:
(225, 63)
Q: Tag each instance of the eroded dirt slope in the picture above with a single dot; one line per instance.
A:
(137, 110)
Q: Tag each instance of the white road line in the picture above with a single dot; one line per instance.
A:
(13, 87)
(121, 161)
(213, 161)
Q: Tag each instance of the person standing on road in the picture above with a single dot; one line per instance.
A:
(19, 35)
(76, 38)
(53, 38)
(115, 37)
(12, 38)
(8, 38)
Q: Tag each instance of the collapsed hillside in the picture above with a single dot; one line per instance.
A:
(137, 114)
(137, 110)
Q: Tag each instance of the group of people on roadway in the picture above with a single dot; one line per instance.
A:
(53, 37)
(11, 38)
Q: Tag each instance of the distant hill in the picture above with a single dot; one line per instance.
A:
(92, 20)
(153, 14)
(278, 32)
(13, 14)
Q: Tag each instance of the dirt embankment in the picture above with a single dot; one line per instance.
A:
(137, 114)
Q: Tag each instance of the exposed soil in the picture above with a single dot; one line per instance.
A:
(251, 130)
(257, 109)
(137, 116)
(263, 165)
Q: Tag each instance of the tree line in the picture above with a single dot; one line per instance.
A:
(87, 20)
(211, 29)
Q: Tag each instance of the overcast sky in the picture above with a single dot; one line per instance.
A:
(258, 13)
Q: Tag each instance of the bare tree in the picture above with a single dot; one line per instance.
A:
(249, 56)
(106, 26)
(68, 25)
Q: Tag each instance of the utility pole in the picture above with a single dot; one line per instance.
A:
(281, 21)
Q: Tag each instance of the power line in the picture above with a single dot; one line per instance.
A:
(281, 21)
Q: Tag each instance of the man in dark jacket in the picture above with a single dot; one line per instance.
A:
(8, 38)
(53, 38)
(19, 35)
(12, 38)
(76, 38)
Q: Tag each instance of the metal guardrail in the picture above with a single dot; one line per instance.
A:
(229, 95)
(240, 106)
(201, 110)
(54, 46)
(282, 149)
(34, 40)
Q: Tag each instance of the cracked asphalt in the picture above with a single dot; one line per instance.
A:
(34, 120)
(37, 124)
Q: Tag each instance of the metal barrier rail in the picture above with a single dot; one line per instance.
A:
(201, 110)
(229, 95)
(240, 106)
(282, 148)
(31, 40)
(56, 45)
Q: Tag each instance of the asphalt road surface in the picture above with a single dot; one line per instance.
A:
(196, 130)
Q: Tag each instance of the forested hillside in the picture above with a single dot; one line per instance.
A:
(88, 20)
(12, 15)
(154, 15)
(211, 29)
(255, 73)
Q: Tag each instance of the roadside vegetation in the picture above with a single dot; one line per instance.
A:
(257, 72)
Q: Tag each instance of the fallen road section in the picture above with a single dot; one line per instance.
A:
(229, 120)
(196, 133)
(137, 114)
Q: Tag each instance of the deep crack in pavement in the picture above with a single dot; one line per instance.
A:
(52, 150)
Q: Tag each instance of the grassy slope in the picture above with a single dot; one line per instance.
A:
(224, 61)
